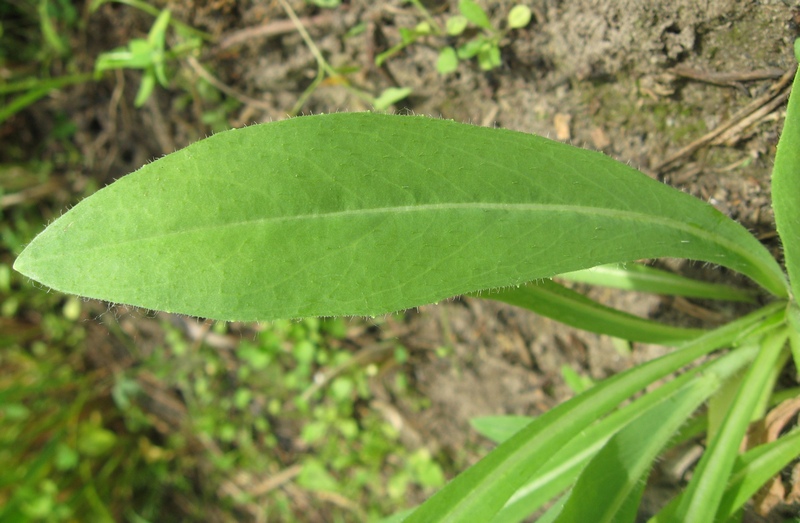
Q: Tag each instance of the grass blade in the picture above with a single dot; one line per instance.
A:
(499, 428)
(565, 466)
(755, 468)
(550, 299)
(793, 317)
(701, 499)
(641, 278)
(610, 484)
(363, 214)
(481, 491)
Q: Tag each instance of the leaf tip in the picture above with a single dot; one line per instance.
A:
(22, 263)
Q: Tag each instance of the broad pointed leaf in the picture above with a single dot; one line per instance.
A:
(362, 214)
(475, 14)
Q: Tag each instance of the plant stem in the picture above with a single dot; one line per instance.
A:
(24, 100)
(307, 39)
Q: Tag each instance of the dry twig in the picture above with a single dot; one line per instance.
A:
(208, 77)
(773, 98)
(270, 30)
(728, 79)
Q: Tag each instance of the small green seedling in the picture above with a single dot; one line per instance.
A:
(365, 214)
(21, 87)
(338, 75)
(327, 4)
(484, 45)
(49, 12)
(150, 54)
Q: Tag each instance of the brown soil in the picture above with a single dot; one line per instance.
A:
(626, 77)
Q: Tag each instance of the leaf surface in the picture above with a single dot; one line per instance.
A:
(786, 186)
(363, 214)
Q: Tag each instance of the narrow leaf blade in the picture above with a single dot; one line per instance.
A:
(565, 465)
(481, 491)
(499, 428)
(786, 186)
(754, 469)
(550, 299)
(704, 494)
(641, 278)
(612, 477)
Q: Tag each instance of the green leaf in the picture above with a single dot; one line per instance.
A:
(456, 25)
(382, 57)
(489, 56)
(389, 96)
(607, 489)
(701, 499)
(609, 485)
(576, 382)
(641, 278)
(754, 469)
(499, 428)
(398, 517)
(38, 90)
(145, 88)
(566, 464)
(363, 214)
(447, 61)
(138, 55)
(470, 49)
(327, 4)
(481, 491)
(408, 36)
(314, 476)
(95, 441)
(423, 28)
(49, 30)
(158, 33)
(793, 317)
(157, 38)
(550, 299)
(519, 16)
(786, 187)
(474, 13)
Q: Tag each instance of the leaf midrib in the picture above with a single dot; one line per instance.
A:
(695, 232)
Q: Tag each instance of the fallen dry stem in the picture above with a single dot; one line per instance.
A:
(200, 71)
(270, 30)
(780, 89)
